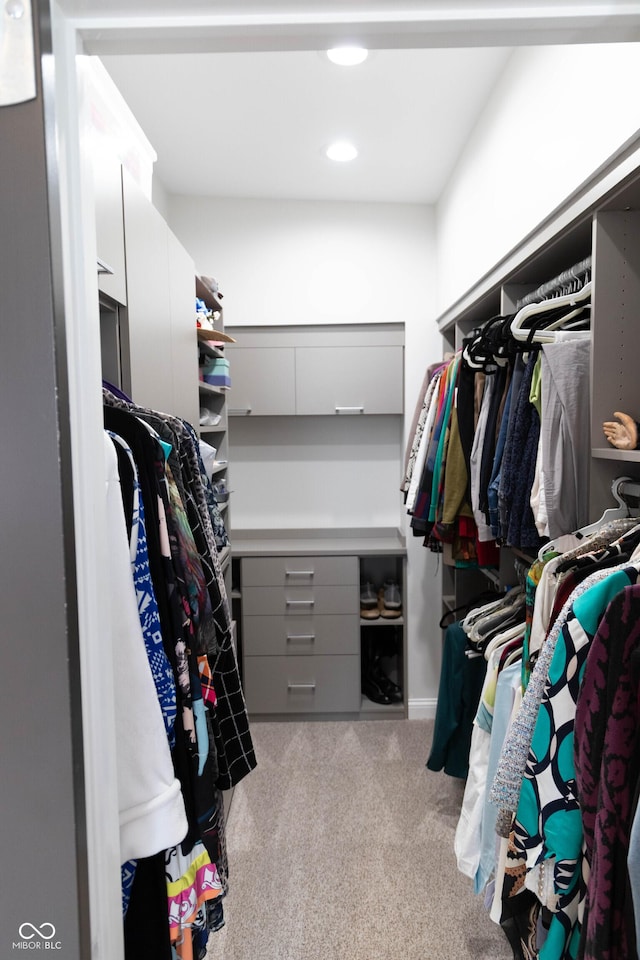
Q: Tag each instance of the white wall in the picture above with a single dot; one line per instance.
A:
(556, 115)
(310, 262)
(303, 262)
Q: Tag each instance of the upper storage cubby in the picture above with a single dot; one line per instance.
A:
(338, 370)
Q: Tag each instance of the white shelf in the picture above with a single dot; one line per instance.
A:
(211, 351)
(382, 622)
(388, 709)
(610, 453)
(206, 428)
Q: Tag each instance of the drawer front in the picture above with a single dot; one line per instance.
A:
(297, 635)
(302, 684)
(277, 571)
(296, 600)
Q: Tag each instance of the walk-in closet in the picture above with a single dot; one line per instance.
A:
(322, 480)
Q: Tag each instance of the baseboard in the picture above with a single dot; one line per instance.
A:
(424, 709)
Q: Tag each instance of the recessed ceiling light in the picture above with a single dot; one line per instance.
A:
(348, 56)
(342, 151)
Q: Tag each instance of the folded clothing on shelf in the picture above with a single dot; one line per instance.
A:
(216, 372)
(220, 491)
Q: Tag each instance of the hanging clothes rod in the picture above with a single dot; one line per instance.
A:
(626, 487)
(543, 292)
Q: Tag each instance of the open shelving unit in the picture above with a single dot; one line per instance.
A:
(214, 399)
(601, 220)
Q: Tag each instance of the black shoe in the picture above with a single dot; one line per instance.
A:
(386, 684)
(374, 691)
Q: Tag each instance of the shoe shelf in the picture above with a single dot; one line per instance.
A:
(382, 651)
(380, 710)
(382, 622)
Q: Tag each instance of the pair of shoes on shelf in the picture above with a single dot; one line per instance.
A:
(386, 603)
(208, 418)
(378, 687)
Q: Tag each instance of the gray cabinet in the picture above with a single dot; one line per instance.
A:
(304, 644)
(349, 380)
(318, 371)
(302, 685)
(301, 636)
(159, 350)
(263, 382)
(107, 185)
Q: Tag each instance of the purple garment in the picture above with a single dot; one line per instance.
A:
(607, 768)
(519, 467)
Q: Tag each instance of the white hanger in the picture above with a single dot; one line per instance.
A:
(612, 513)
(522, 333)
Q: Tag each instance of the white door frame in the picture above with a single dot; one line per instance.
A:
(373, 23)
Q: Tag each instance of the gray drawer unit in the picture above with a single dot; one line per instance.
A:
(294, 600)
(299, 635)
(274, 571)
(302, 684)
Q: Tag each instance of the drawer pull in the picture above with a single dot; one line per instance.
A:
(299, 573)
(302, 686)
(300, 603)
(349, 410)
(239, 411)
(301, 636)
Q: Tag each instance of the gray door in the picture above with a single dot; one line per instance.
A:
(42, 829)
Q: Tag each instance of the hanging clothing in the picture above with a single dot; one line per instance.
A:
(607, 772)
(152, 812)
(565, 437)
(461, 682)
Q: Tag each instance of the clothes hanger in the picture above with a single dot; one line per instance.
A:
(612, 513)
(532, 310)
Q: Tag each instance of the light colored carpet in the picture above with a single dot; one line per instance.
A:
(341, 848)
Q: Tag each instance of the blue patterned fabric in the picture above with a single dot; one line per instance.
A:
(150, 621)
(127, 875)
(148, 607)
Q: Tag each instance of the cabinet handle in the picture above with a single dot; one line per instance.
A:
(239, 411)
(299, 573)
(302, 686)
(349, 410)
(300, 603)
(301, 636)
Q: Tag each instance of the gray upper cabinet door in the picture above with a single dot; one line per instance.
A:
(184, 349)
(262, 382)
(149, 311)
(349, 380)
(107, 184)
(160, 367)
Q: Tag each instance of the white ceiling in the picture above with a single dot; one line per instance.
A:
(255, 124)
(237, 100)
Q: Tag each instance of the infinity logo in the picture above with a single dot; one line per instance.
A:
(37, 931)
